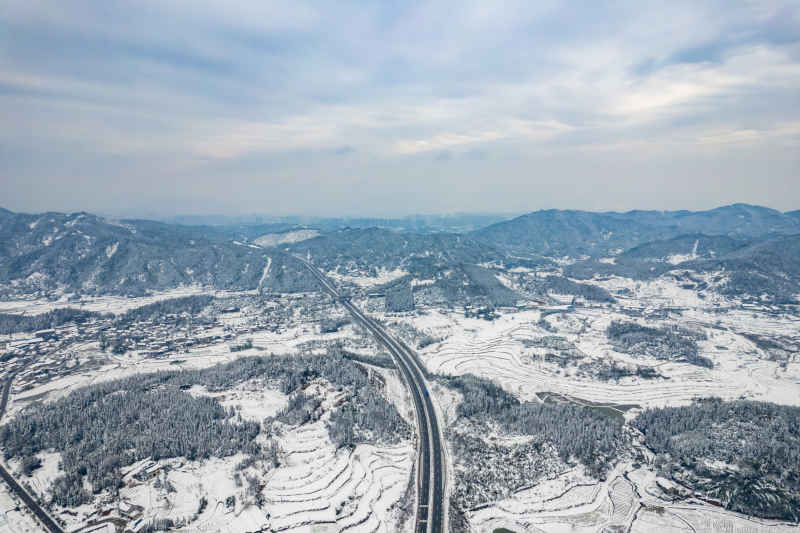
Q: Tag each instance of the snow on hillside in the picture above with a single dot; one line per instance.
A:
(382, 276)
(274, 239)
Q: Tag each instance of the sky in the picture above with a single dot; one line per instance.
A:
(394, 108)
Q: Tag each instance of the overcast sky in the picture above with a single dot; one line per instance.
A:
(391, 108)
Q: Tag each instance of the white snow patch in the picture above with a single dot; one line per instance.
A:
(383, 276)
(505, 280)
(675, 259)
(237, 243)
(253, 400)
(628, 500)
(111, 250)
(274, 239)
(264, 273)
(105, 304)
(497, 350)
(74, 221)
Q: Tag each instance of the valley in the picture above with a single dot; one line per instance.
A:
(540, 378)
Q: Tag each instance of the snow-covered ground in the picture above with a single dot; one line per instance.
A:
(274, 239)
(629, 500)
(382, 276)
(265, 343)
(251, 400)
(499, 350)
(316, 487)
(505, 351)
(104, 304)
(324, 489)
(319, 488)
(14, 517)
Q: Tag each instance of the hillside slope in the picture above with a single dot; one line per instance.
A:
(575, 233)
(83, 252)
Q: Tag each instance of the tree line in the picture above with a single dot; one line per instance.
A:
(667, 343)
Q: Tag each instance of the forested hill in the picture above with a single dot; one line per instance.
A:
(576, 233)
(84, 252)
(684, 247)
(767, 268)
(756, 248)
(381, 248)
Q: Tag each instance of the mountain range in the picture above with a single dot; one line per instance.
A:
(758, 248)
(574, 233)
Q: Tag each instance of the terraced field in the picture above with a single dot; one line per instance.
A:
(613, 506)
(705, 520)
(323, 489)
(621, 494)
(502, 358)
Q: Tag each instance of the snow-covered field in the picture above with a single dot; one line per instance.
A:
(382, 276)
(104, 304)
(629, 500)
(505, 351)
(499, 350)
(317, 488)
(274, 239)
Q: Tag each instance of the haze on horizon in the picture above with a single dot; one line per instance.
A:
(393, 109)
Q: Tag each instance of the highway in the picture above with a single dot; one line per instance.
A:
(15, 487)
(430, 466)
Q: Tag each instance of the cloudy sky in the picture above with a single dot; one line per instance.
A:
(342, 108)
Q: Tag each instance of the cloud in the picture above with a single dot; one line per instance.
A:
(275, 94)
(508, 129)
(344, 150)
(444, 155)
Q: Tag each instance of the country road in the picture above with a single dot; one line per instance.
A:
(430, 467)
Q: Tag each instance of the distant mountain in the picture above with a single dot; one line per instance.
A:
(683, 248)
(452, 223)
(84, 253)
(765, 268)
(371, 248)
(558, 233)
(734, 220)
(768, 268)
(576, 233)
(90, 254)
